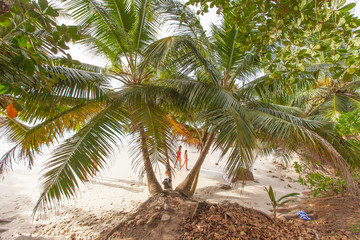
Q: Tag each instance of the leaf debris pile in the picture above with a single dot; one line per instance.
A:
(170, 215)
(231, 221)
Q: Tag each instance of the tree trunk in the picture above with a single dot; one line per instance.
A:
(153, 184)
(6, 6)
(188, 186)
(168, 166)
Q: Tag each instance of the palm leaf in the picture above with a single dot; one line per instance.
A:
(236, 137)
(96, 19)
(146, 28)
(287, 196)
(331, 107)
(81, 155)
(30, 140)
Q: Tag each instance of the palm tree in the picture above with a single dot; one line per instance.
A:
(233, 118)
(319, 91)
(119, 31)
(207, 69)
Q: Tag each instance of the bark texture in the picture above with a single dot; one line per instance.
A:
(153, 184)
(168, 167)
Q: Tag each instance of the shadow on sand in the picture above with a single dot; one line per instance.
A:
(134, 188)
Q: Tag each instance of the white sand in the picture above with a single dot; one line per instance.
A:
(102, 202)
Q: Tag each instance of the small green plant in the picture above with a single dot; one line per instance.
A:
(318, 182)
(276, 204)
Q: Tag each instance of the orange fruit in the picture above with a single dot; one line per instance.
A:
(11, 110)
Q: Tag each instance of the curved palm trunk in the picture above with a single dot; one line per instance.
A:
(153, 184)
(188, 186)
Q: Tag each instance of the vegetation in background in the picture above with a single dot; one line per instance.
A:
(36, 79)
(231, 111)
(32, 43)
(291, 35)
(318, 182)
(348, 125)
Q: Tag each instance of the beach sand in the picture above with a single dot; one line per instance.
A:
(103, 201)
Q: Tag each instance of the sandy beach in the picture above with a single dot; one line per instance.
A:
(102, 202)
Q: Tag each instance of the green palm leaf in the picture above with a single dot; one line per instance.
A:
(331, 106)
(30, 140)
(107, 37)
(236, 137)
(80, 155)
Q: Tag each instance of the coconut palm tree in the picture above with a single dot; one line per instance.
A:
(119, 31)
(208, 71)
(319, 94)
(213, 73)
(333, 96)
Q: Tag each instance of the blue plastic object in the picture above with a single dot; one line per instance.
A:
(302, 214)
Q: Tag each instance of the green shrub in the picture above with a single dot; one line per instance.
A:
(318, 182)
(348, 125)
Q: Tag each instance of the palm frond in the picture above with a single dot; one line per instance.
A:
(281, 124)
(236, 137)
(184, 22)
(96, 20)
(159, 141)
(331, 107)
(294, 134)
(146, 28)
(81, 155)
(184, 52)
(30, 140)
(198, 95)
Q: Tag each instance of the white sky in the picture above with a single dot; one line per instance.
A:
(81, 54)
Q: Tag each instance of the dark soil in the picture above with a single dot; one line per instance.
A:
(169, 215)
(336, 217)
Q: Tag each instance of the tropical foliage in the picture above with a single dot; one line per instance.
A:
(348, 124)
(34, 79)
(119, 31)
(235, 115)
(320, 181)
(193, 85)
(30, 38)
(290, 34)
